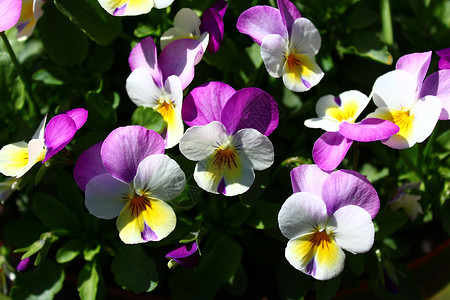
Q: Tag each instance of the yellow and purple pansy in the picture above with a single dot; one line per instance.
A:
(31, 12)
(288, 43)
(128, 176)
(132, 7)
(328, 213)
(228, 135)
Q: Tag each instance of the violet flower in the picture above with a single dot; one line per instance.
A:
(185, 254)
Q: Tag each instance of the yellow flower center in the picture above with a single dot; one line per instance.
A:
(402, 119)
(320, 239)
(139, 204)
(165, 108)
(225, 157)
(346, 112)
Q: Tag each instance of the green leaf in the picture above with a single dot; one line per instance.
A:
(88, 280)
(69, 250)
(101, 112)
(54, 214)
(365, 45)
(91, 250)
(100, 60)
(237, 284)
(264, 215)
(92, 19)
(444, 140)
(148, 118)
(69, 193)
(291, 283)
(388, 222)
(133, 269)
(40, 283)
(325, 290)
(236, 214)
(361, 18)
(52, 76)
(65, 44)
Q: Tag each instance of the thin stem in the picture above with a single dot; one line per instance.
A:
(30, 98)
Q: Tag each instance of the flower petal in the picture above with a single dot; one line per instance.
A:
(125, 147)
(426, 113)
(9, 13)
(346, 187)
(305, 38)
(179, 58)
(250, 108)
(354, 229)
(289, 13)
(106, 196)
(221, 7)
(141, 88)
(170, 109)
(13, 158)
(368, 130)
(308, 178)
(261, 20)
(330, 149)
(444, 63)
(300, 214)
(255, 147)
(89, 164)
(162, 3)
(438, 84)
(319, 261)
(188, 20)
(58, 133)
(212, 22)
(416, 64)
(204, 104)
(273, 53)
(126, 7)
(78, 115)
(151, 222)
(395, 89)
(199, 142)
(185, 254)
(144, 55)
(159, 177)
(39, 133)
(301, 73)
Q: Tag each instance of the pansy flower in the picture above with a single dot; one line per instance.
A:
(228, 136)
(337, 115)
(17, 158)
(288, 43)
(328, 213)
(127, 176)
(9, 13)
(444, 61)
(31, 12)
(208, 30)
(158, 82)
(132, 7)
(404, 98)
(184, 254)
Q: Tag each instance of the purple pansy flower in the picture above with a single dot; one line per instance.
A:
(127, 175)
(158, 82)
(208, 30)
(328, 213)
(444, 62)
(17, 158)
(337, 115)
(288, 43)
(185, 254)
(9, 13)
(228, 135)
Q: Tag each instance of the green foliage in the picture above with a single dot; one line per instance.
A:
(148, 118)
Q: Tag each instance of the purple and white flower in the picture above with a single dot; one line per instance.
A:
(132, 7)
(128, 176)
(444, 61)
(288, 43)
(228, 136)
(185, 254)
(31, 12)
(17, 158)
(328, 213)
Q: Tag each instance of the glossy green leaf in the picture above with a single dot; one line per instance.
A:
(101, 112)
(88, 280)
(69, 251)
(148, 118)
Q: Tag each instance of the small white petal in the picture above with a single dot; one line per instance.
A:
(305, 37)
(395, 89)
(141, 88)
(273, 53)
(255, 147)
(426, 113)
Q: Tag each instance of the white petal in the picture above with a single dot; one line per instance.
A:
(13, 158)
(187, 20)
(255, 147)
(198, 142)
(158, 176)
(300, 214)
(39, 134)
(323, 123)
(354, 230)
(173, 34)
(162, 3)
(426, 113)
(305, 37)
(273, 53)
(141, 88)
(301, 73)
(106, 196)
(395, 89)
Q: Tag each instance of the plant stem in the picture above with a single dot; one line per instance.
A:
(30, 98)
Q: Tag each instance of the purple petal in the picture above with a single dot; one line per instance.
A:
(444, 63)
(416, 64)
(212, 22)
(148, 234)
(438, 84)
(250, 108)
(179, 58)
(368, 130)
(204, 104)
(346, 187)
(58, 133)
(120, 10)
(9, 13)
(26, 263)
(443, 52)
(144, 55)
(261, 20)
(308, 178)
(330, 149)
(221, 7)
(186, 255)
(89, 164)
(78, 115)
(289, 13)
(125, 147)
